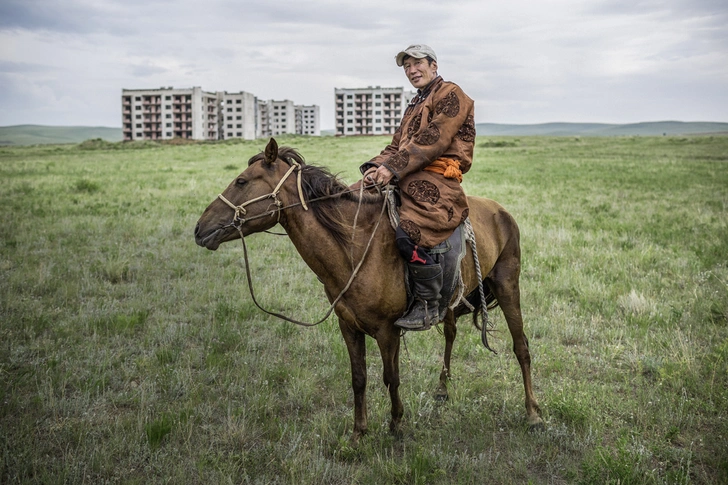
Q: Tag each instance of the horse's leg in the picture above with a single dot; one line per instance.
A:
(355, 344)
(503, 282)
(388, 342)
(450, 333)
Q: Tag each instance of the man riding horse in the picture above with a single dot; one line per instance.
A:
(429, 152)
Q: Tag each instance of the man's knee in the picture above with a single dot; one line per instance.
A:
(411, 252)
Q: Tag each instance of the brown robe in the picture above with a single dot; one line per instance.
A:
(439, 123)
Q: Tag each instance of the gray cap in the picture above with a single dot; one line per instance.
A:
(418, 51)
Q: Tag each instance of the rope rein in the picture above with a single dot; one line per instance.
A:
(238, 222)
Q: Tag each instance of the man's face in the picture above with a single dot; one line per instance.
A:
(419, 71)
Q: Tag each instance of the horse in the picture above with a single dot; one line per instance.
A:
(333, 228)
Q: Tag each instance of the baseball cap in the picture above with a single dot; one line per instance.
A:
(418, 51)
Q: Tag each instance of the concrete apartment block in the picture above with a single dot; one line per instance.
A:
(276, 117)
(166, 113)
(307, 120)
(238, 115)
(370, 111)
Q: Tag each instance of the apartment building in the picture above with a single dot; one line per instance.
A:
(276, 117)
(307, 120)
(166, 113)
(370, 111)
(238, 115)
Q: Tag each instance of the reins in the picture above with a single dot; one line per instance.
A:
(238, 222)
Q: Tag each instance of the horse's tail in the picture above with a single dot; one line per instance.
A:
(485, 326)
(474, 299)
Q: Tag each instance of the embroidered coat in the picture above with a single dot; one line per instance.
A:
(438, 124)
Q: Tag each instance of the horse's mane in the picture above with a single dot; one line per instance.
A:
(328, 194)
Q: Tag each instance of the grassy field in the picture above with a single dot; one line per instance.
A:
(42, 134)
(130, 355)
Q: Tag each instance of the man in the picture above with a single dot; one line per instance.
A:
(429, 152)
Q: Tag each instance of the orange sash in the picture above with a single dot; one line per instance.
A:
(449, 168)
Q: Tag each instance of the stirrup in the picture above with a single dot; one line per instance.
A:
(415, 325)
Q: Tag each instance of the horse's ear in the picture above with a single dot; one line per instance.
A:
(271, 151)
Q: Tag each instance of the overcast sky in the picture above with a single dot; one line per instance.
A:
(65, 62)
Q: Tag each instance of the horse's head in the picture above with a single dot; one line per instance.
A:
(250, 203)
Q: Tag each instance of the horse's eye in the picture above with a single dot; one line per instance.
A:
(240, 181)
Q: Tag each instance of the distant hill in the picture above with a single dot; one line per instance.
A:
(40, 134)
(654, 128)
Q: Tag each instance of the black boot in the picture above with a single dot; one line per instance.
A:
(427, 281)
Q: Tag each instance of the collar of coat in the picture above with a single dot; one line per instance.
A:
(423, 93)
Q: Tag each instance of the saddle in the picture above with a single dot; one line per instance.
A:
(450, 261)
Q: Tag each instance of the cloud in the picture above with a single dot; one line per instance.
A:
(562, 60)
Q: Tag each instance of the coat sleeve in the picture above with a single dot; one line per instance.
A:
(388, 151)
(440, 122)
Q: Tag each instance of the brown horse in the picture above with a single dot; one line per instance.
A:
(318, 212)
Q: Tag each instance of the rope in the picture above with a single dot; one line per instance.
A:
(486, 324)
(239, 227)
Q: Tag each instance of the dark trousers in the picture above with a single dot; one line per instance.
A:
(411, 252)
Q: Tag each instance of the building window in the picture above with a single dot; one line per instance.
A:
(237, 101)
(238, 109)
(230, 110)
(168, 125)
(238, 117)
(239, 134)
(138, 98)
(167, 116)
(139, 125)
(229, 101)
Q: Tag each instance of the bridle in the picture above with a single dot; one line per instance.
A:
(240, 211)
(239, 220)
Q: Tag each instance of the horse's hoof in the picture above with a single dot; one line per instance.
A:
(355, 437)
(537, 427)
(395, 428)
(441, 396)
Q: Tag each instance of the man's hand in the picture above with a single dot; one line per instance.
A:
(378, 176)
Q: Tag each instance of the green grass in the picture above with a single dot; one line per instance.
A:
(128, 354)
(42, 134)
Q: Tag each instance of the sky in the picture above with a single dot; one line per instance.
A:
(65, 62)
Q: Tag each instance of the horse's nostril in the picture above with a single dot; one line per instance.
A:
(197, 229)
